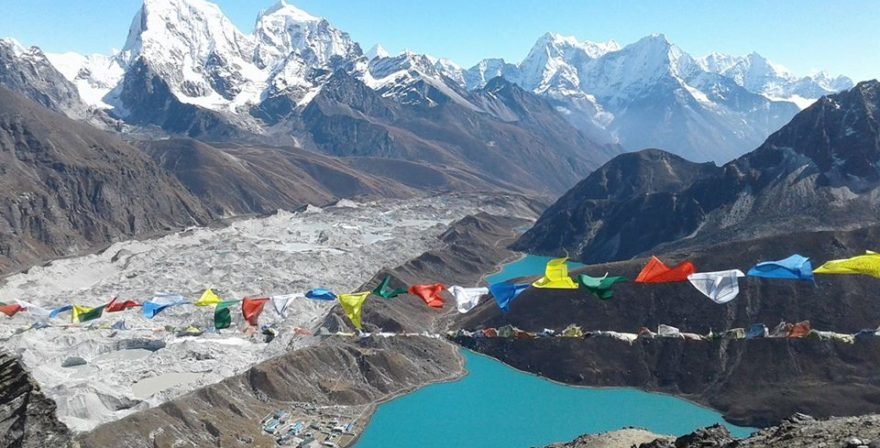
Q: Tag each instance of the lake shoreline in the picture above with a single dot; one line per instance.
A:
(579, 386)
(367, 416)
(556, 411)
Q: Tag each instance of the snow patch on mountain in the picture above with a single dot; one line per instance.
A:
(94, 76)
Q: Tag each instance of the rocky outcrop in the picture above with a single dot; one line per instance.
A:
(27, 417)
(624, 438)
(69, 188)
(819, 172)
(755, 382)
(802, 431)
(29, 73)
(798, 431)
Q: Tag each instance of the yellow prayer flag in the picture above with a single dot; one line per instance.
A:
(868, 264)
(77, 311)
(556, 276)
(208, 299)
(352, 304)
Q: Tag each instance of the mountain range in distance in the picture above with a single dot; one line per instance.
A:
(186, 70)
(818, 173)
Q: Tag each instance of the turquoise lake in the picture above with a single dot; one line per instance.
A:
(498, 406)
(524, 267)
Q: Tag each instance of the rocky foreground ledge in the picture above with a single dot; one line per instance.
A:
(798, 431)
(27, 417)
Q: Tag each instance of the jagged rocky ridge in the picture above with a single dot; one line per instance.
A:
(819, 172)
(333, 371)
(27, 417)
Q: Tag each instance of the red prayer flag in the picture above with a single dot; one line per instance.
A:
(429, 293)
(10, 310)
(657, 272)
(252, 307)
(114, 306)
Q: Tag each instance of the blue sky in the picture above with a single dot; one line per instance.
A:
(803, 35)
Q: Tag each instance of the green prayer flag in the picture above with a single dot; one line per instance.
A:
(222, 314)
(384, 292)
(600, 287)
(92, 314)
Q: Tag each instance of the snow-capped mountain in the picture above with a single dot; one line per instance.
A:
(653, 94)
(187, 57)
(187, 69)
(554, 62)
(195, 49)
(415, 79)
(790, 183)
(758, 75)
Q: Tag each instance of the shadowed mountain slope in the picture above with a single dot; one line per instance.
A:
(68, 187)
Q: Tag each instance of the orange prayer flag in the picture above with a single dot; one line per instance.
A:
(429, 293)
(657, 272)
(251, 307)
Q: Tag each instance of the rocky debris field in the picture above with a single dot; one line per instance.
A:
(111, 373)
(349, 374)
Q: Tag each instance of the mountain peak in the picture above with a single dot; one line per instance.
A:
(284, 30)
(194, 27)
(562, 43)
(288, 10)
(376, 51)
(655, 40)
(759, 62)
(13, 45)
